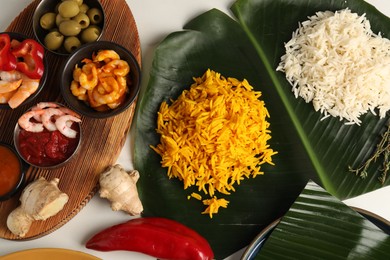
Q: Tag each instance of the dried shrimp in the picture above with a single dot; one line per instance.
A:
(101, 81)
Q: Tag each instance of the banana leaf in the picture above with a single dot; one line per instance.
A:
(249, 46)
(319, 226)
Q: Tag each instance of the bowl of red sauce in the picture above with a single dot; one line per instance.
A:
(11, 171)
(48, 135)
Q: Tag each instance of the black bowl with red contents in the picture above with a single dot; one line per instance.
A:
(22, 58)
(48, 135)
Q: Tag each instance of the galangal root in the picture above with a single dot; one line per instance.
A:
(120, 188)
(40, 200)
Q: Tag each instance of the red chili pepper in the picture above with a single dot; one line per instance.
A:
(29, 54)
(158, 237)
(7, 60)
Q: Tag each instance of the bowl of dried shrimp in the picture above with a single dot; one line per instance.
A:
(100, 79)
(48, 135)
(23, 69)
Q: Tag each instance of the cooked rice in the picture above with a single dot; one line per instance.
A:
(335, 61)
(214, 135)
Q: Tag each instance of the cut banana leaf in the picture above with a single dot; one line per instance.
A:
(250, 47)
(319, 226)
(330, 144)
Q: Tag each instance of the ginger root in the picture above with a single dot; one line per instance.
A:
(119, 187)
(40, 200)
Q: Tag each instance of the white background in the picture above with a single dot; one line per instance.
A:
(155, 20)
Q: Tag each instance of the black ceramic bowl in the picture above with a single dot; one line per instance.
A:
(20, 38)
(46, 6)
(33, 147)
(11, 173)
(87, 51)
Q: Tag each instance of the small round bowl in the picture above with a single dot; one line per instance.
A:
(46, 6)
(254, 248)
(87, 51)
(34, 148)
(11, 172)
(20, 38)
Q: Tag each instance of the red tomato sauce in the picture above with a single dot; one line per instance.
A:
(46, 148)
(10, 170)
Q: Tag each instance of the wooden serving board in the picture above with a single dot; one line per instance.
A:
(102, 139)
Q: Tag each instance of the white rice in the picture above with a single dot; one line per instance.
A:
(335, 61)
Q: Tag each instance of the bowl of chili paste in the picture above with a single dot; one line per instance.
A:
(48, 135)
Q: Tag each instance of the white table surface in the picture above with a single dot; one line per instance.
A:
(155, 19)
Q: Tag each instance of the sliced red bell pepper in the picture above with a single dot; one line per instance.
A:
(159, 237)
(7, 60)
(29, 54)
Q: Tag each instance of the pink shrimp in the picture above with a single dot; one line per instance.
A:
(43, 105)
(63, 125)
(69, 112)
(65, 110)
(28, 125)
(48, 116)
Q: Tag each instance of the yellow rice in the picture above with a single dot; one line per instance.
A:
(195, 196)
(214, 136)
(213, 205)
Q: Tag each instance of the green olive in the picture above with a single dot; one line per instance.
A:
(90, 34)
(68, 9)
(79, 2)
(95, 15)
(84, 8)
(71, 43)
(53, 40)
(69, 28)
(82, 19)
(60, 19)
(48, 20)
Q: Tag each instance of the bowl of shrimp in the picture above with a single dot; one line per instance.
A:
(100, 79)
(48, 135)
(23, 70)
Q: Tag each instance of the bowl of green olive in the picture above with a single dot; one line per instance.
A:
(62, 26)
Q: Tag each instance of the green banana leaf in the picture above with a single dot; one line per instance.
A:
(319, 226)
(250, 46)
